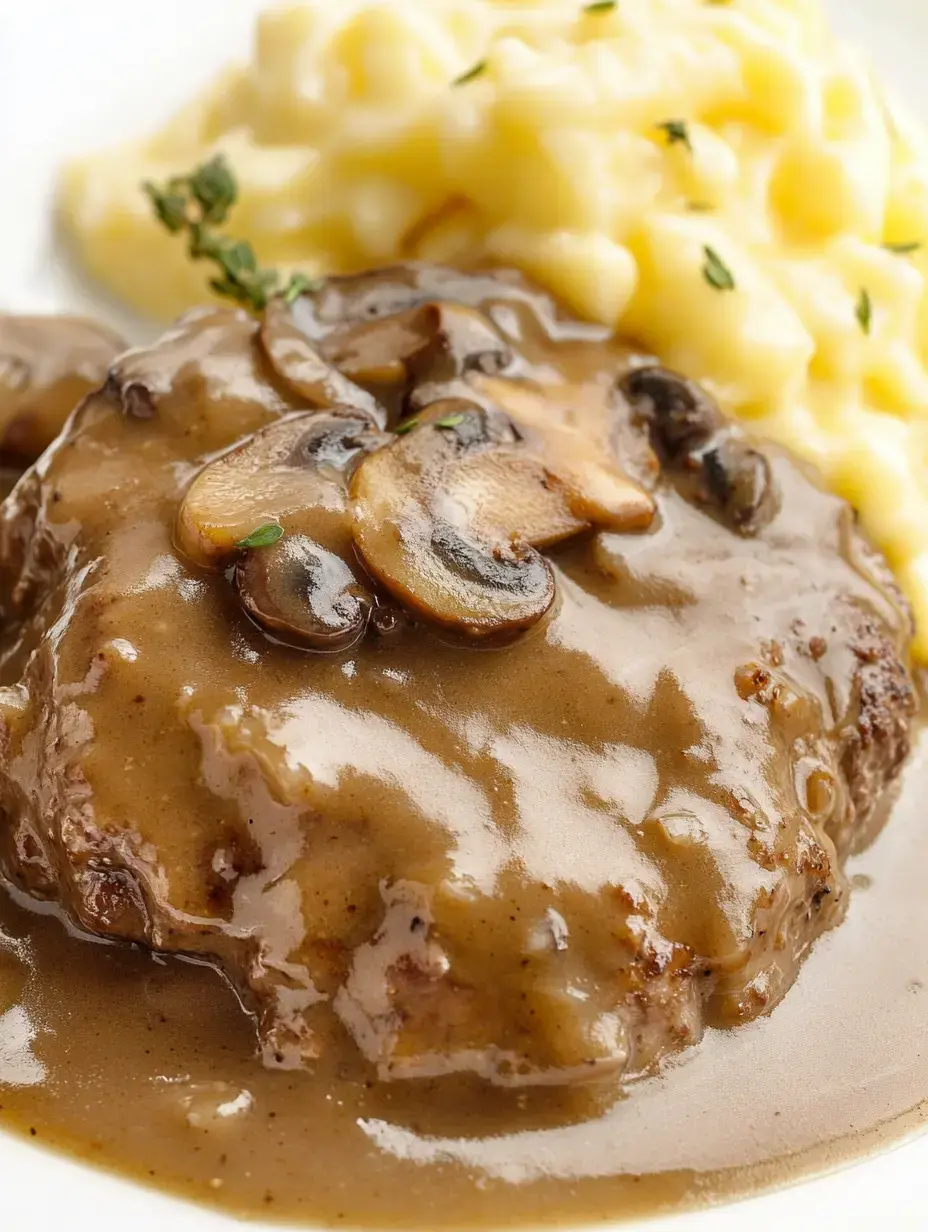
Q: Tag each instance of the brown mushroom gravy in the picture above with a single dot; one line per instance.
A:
(496, 718)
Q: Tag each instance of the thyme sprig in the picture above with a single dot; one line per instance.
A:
(197, 204)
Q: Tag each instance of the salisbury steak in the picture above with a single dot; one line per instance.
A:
(534, 743)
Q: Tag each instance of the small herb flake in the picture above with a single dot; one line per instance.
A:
(905, 248)
(864, 310)
(716, 272)
(406, 426)
(300, 284)
(677, 132)
(449, 421)
(601, 6)
(475, 71)
(262, 536)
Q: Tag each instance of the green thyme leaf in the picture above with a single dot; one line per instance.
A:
(214, 189)
(864, 310)
(406, 426)
(262, 536)
(449, 421)
(475, 71)
(677, 131)
(904, 249)
(240, 259)
(170, 207)
(601, 6)
(196, 204)
(301, 284)
(716, 272)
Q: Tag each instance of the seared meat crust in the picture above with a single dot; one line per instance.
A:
(547, 862)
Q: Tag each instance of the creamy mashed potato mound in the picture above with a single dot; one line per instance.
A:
(723, 181)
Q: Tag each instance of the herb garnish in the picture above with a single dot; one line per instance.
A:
(198, 203)
(601, 6)
(716, 272)
(904, 248)
(676, 131)
(262, 536)
(864, 310)
(446, 421)
(475, 71)
(300, 284)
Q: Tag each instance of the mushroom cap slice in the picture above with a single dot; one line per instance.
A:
(680, 414)
(711, 461)
(446, 518)
(437, 341)
(297, 362)
(291, 471)
(738, 481)
(370, 296)
(598, 491)
(303, 593)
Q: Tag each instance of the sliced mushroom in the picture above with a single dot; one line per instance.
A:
(739, 482)
(450, 515)
(299, 364)
(600, 492)
(711, 462)
(47, 365)
(282, 472)
(382, 293)
(296, 582)
(303, 593)
(376, 363)
(419, 539)
(436, 341)
(681, 417)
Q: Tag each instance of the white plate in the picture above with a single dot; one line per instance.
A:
(78, 73)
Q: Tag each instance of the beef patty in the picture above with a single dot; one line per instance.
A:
(533, 744)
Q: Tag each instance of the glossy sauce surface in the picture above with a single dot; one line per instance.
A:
(462, 893)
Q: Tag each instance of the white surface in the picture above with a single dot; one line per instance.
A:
(78, 73)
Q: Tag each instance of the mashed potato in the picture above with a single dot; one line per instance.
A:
(721, 180)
